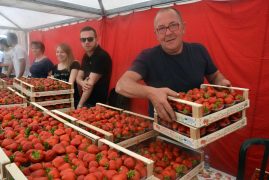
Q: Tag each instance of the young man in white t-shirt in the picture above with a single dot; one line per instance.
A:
(19, 56)
(6, 64)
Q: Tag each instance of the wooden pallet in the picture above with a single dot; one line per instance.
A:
(24, 104)
(195, 141)
(198, 120)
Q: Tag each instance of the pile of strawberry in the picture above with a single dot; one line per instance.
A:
(9, 97)
(93, 114)
(46, 84)
(170, 161)
(122, 126)
(185, 130)
(211, 98)
(9, 81)
(43, 148)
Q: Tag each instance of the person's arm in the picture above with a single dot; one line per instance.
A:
(73, 76)
(80, 78)
(4, 65)
(218, 79)
(22, 67)
(129, 86)
(88, 87)
(10, 69)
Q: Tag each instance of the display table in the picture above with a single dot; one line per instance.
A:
(214, 174)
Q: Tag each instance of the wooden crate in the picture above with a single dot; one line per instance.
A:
(195, 141)
(107, 135)
(29, 91)
(2, 84)
(198, 120)
(6, 82)
(13, 172)
(23, 104)
(193, 172)
(4, 160)
(17, 83)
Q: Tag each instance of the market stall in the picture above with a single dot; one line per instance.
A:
(235, 33)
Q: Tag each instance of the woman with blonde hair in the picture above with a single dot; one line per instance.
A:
(67, 68)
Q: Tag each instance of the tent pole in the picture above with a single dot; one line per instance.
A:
(11, 21)
(102, 7)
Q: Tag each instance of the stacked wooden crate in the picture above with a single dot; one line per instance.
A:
(200, 124)
(48, 92)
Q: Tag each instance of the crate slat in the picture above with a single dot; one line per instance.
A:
(3, 161)
(201, 142)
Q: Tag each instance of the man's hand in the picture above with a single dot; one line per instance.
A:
(158, 97)
(224, 82)
(86, 85)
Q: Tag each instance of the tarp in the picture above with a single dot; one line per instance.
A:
(235, 33)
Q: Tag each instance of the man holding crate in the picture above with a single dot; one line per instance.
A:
(170, 67)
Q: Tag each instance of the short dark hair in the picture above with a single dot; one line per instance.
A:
(12, 37)
(39, 45)
(3, 41)
(89, 28)
(168, 9)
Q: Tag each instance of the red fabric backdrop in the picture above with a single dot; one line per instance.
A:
(237, 36)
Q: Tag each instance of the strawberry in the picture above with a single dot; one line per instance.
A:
(109, 173)
(119, 176)
(58, 161)
(54, 173)
(133, 175)
(36, 156)
(81, 170)
(90, 176)
(38, 173)
(49, 155)
(112, 165)
(71, 149)
(129, 163)
(104, 162)
(93, 149)
(59, 149)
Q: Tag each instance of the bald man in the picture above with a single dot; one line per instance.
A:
(171, 67)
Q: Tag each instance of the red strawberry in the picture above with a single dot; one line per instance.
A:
(71, 149)
(93, 149)
(50, 155)
(36, 156)
(58, 161)
(81, 170)
(59, 149)
(129, 163)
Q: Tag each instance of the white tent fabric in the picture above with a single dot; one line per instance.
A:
(29, 15)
